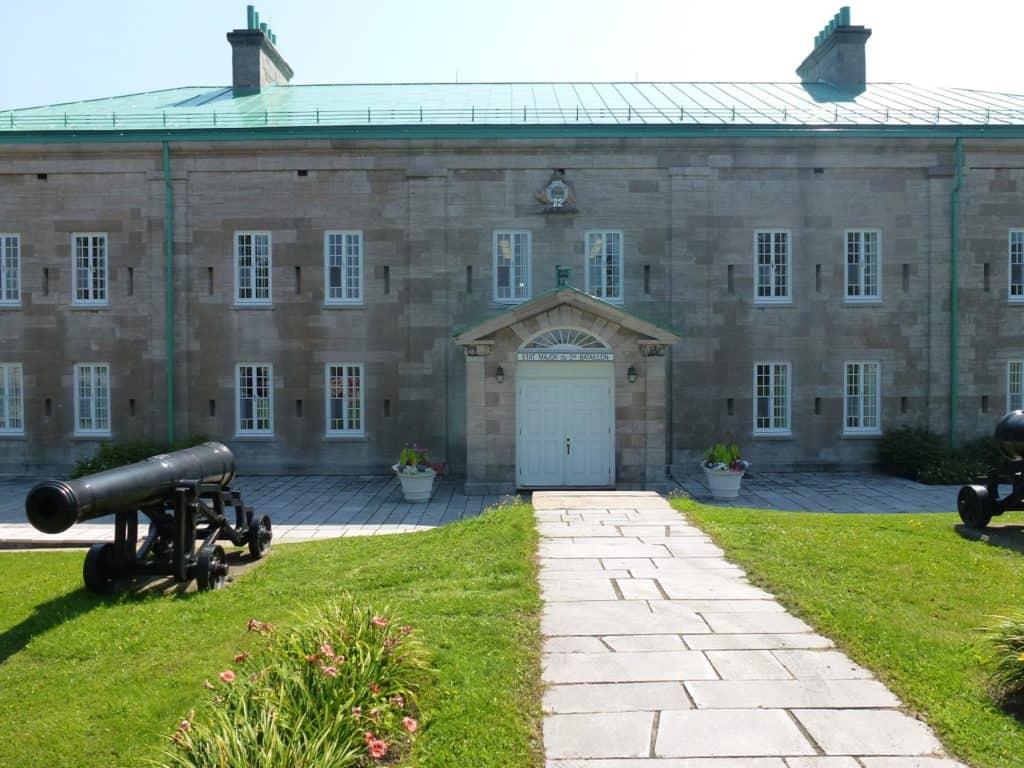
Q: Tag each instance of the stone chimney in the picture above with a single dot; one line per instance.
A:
(255, 61)
(838, 55)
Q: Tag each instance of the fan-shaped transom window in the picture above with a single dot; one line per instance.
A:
(568, 339)
(565, 344)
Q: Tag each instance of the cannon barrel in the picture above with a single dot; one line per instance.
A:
(53, 506)
(1010, 435)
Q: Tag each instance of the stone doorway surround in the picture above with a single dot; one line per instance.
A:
(640, 406)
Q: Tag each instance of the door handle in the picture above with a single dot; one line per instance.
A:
(568, 446)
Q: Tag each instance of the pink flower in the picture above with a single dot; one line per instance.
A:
(357, 711)
(255, 625)
(327, 650)
(330, 671)
(379, 621)
(227, 676)
(184, 725)
(377, 749)
(312, 658)
(368, 737)
(398, 700)
(374, 714)
(410, 724)
(405, 629)
(241, 657)
(375, 687)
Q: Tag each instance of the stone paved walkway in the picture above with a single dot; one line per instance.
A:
(300, 507)
(829, 492)
(659, 654)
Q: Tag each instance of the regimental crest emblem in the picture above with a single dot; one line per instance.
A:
(558, 195)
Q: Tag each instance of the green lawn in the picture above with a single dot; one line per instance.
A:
(86, 681)
(903, 595)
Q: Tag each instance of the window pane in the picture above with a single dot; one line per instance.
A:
(261, 266)
(503, 264)
(1015, 385)
(9, 268)
(870, 400)
(353, 259)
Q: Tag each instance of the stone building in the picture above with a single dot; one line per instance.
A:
(547, 284)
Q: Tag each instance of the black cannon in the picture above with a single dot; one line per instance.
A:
(185, 495)
(978, 504)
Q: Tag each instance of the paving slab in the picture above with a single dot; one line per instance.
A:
(616, 697)
(625, 666)
(697, 762)
(772, 694)
(658, 653)
(731, 733)
(619, 734)
(868, 732)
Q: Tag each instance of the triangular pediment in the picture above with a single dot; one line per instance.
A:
(571, 299)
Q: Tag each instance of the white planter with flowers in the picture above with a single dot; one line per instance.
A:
(415, 474)
(724, 470)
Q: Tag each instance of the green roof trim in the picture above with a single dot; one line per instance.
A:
(543, 109)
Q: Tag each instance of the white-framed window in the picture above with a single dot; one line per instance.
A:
(862, 398)
(345, 401)
(863, 265)
(12, 407)
(254, 398)
(252, 268)
(92, 399)
(1016, 255)
(1015, 385)
(771, 266)
(512, 257)
(604, 265)
(343, 267)
(771, 398)
(10, 269)
(89, 268)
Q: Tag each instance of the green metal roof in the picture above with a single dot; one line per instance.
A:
(548, 105)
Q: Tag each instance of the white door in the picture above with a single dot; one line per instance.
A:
(566, 425)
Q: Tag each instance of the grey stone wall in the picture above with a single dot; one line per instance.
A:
(688, 210)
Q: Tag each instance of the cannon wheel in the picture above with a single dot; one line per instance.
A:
(211, 568)
(98, 570)
(974, 505)
(259, 537)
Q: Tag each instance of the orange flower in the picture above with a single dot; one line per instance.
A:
(410, 724)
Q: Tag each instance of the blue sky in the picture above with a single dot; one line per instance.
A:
(66, 51)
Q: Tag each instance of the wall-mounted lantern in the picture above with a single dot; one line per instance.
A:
(499, 374)
(631, 374)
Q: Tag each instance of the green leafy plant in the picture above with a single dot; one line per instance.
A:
(413, 458)
(111, 455)
(1006, 641)
(724, 457)
(919, 454)
(339, 690)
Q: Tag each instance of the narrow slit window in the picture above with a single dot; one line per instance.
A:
(906, 277)
(131, 281)
(904, 404)
(387, 280)
(984, 403)
(817, 278)
(298, 409)
(986, 277)
(209, 281)
(729, 406)
(212, 408)
(387, 409)
(46, 281)
(817, 406)
(48, 407)
(730, 278)
(469, 278)
(131, 406)
(647, 278)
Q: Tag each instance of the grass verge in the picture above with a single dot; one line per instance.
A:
(903, 595)
(88, 681)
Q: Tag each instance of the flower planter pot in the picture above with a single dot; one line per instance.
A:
(416, 486)
(723, 484)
